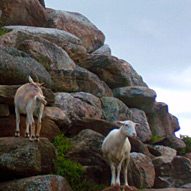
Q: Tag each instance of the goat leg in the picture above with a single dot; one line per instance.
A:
(32, 138)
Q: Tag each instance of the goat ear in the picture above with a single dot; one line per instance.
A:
(31, 80)
(120, 122)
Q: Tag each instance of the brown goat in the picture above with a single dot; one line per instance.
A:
(29, 100)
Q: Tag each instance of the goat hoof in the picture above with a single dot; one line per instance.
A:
(32, 138)
(37, 138)
(17, 134)
(27, 135)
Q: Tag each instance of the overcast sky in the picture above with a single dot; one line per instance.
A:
(154, 36)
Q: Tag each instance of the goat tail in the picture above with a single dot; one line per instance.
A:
(41, 98)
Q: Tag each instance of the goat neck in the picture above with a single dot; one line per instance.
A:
(121, 138)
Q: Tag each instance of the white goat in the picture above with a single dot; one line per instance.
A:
(28, 100)
(116, 150)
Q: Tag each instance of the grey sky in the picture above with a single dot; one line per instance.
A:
(154, 36)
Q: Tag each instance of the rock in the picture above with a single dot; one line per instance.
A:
(21, 158)
(50, 129)
(12, 14)
(57, 115)
(7, 127)
(186, 186)
(142, 168)
(163, 169)
(85, 140)
(66, 77)
(166, 152)
(181, 172)
(103, 50)
(143, 129)
(88, 105)
(81, 80)
(174, 142)
(49, 95)
(136, 97)
(115, 72)
(16, 66)
(173, 173)
(188, 155)
(92, 38)
(42, 3)
(51, 56)
(138, 147)
(161, 122)
(87, 151)
(70, 43)
(114, 109)
(4, 110)
(98, 125)
(45, 182)
(163, 182)
(7, 93)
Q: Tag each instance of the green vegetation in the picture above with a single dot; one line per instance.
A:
(187, 141)
(72, 171)
(3, 31)
(156, 139)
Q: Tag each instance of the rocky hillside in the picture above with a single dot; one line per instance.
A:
(87, 89)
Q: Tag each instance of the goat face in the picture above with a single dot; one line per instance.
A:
(128, 128)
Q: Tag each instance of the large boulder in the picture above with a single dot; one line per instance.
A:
(174, 142)
(92, 38)
(21, 158)
(42, 3)
(188, 155)
(80, 80)
(70, 43)
(163, 151)
(7, 93)
(4, 110)
(87, 151)
(51, 56)
(163, 165)
(50, 129)
(161, 122)
(114, 109)
(57, 115)
(181, 171)
(172, 173)
(16, 66)
(87, 104)
(115, 72)
(136, 97)
(142, 168)
(143, 129)
(163, 169)
(41, 183)
(19, 12)
(138, 146)
(103, 50)
(98, 125)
